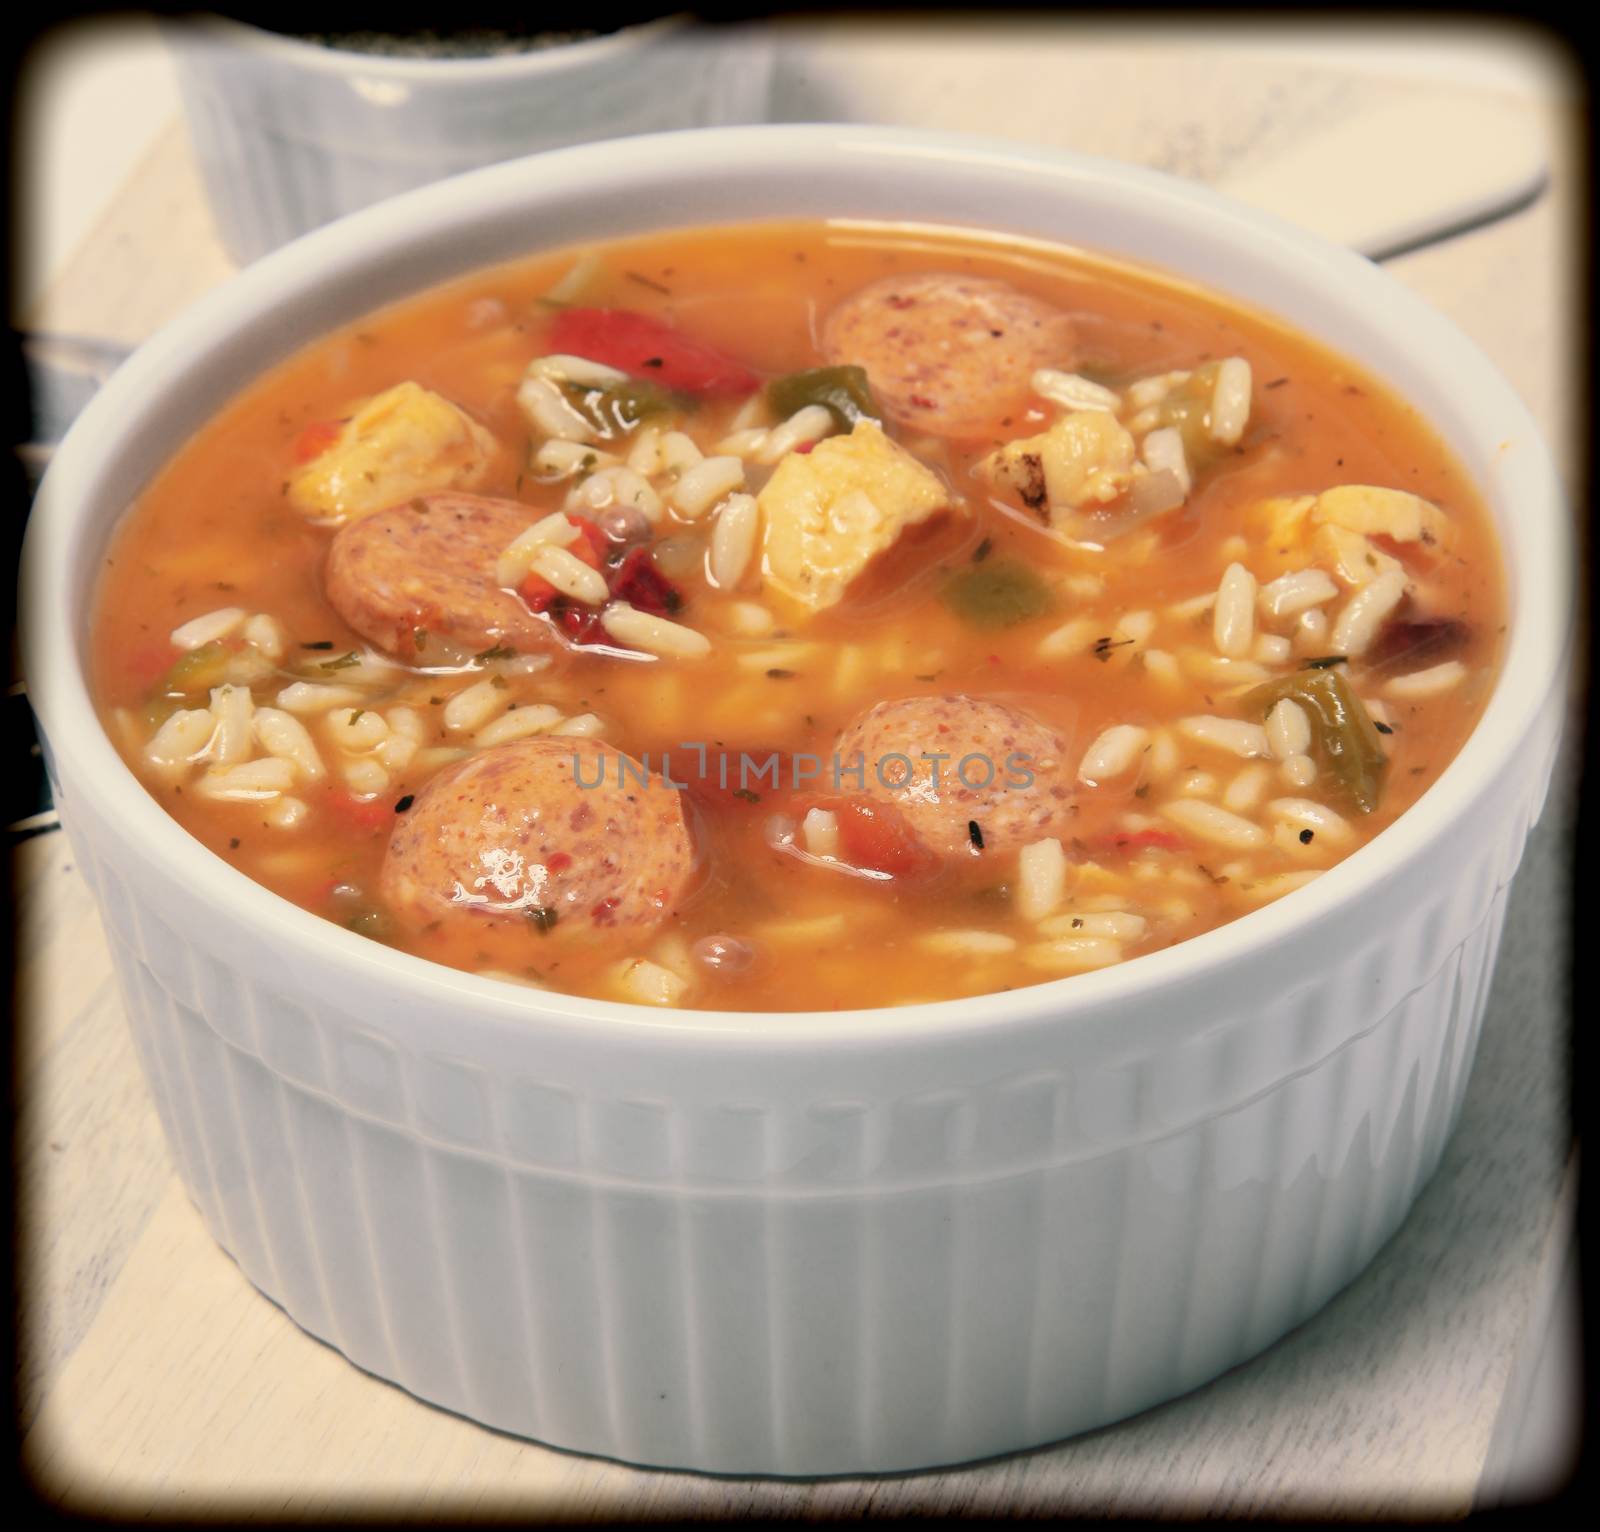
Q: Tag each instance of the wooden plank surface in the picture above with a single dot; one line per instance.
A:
(152, 1375)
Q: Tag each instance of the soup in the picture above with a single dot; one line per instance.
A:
(799, 616)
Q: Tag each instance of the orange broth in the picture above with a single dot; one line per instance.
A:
(215, 529)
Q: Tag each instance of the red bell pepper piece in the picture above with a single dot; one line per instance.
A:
(646, 347)
(591, 545)
(316, 439)
(877, 837)
(640, 583)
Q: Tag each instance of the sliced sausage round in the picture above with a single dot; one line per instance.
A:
(560, 831)
(945, 353)
(430, 564)
(950, 762)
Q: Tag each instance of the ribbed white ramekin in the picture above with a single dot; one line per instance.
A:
(290, 135)
(806, 1243)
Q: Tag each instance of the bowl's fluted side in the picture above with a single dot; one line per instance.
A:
(798, 1272)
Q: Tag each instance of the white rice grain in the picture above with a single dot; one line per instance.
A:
(1162, 759)
(550, 413)
(1114, 753)
(616, 485)
(1308, 814)
(1432, 682)
(473, 707)
(820, 832)
(650, 983)
(1245, 791)
(1288, 729)
(264, 634)
(1118, 924)
(1153, 390)
(209, 628)
(282, 734)
(1160, 666)
(1136, 625)
(1233, 619)
(1073, 392)
(750, 619)
(1296, 592)
(232, 707)
(654, 635)
(700, 487)
(560, 368)
(1073, 954)
(967, 943)
(1214, 824)
(181, 740)
(356, 729)
(1223, 671)
(644, 456)
(570, 575)
(1071, 638)
(248, 781)
(581, 726)
(396, 752)
(733, 540)
(516, 559)
(364, 775)
(746, 444)
(1299, 771)
(1163, 450)
(1364, 613)
(1311, 631)
(1236, 735)
(809, 424)
(1271, 649)
(559, 458)
(1230, 401)
(309, 697)
(679, 453)
(1041, 879)
(519, 723)
(285, 813)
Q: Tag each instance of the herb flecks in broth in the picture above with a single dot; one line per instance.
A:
(845, 615)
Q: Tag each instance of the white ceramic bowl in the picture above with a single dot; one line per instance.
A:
(290, 134)
(802, 1243)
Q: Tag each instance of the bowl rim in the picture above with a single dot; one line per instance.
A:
(1532, 668)
(299, 52)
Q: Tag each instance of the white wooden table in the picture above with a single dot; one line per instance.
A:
(154, 1378)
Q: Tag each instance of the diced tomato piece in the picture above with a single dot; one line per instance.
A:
(580, 623)
(639, 582)
(719, 782)
(878, 837)
(361, 814)
(646, 347)
(1137, 840)
(316, 439)
(537, 591)
(147, 664)
(590, 547)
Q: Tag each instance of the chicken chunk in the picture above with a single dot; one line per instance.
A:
(1084, 461)
(407, 441)
(1393, 513)
(828, 513)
